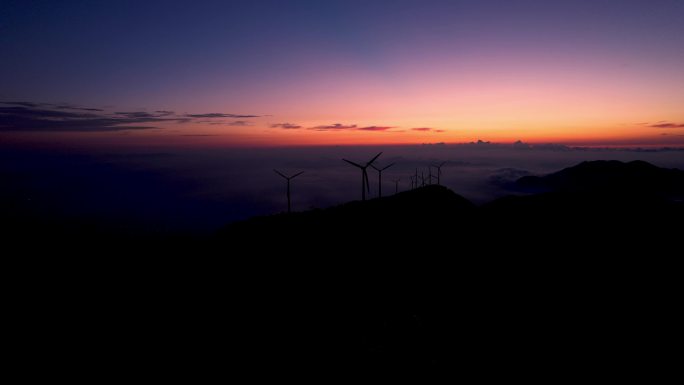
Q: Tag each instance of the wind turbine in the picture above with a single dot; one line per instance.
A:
(439, 171)
(288, 178)
(380, 170)
(364, 174)
(396, 185)
(416, 177)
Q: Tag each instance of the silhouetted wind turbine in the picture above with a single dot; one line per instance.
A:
(396, 185)
(380, 170)
(288, 178)
(439, 171)
(364, 175)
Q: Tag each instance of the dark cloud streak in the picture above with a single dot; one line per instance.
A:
(663, 124)
(221, 115)
(286, 126)
(351, 127)
(64, 107)
(375, 128)
(239, 123)
(26, 119)
(140, 115)
(24, 104)
(45, 117)
(332, 127)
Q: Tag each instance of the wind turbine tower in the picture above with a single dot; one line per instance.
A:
(439, 171)
(380, 170)
(288, 179)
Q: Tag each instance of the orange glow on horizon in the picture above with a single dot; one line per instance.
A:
(264, 136)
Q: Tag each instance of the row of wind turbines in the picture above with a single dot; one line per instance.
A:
(365, 185)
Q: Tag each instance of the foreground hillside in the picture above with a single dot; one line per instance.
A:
(555, 281)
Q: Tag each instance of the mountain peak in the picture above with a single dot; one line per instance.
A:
(609, 175)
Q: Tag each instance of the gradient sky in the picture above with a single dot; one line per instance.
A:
(236, 73)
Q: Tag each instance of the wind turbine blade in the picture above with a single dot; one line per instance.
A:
(373, 160)
(352, 163)
(365, 176)
(388, 166)
(280, 173)
(376, 169)
(297, 174)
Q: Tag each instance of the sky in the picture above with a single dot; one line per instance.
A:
(230, 74)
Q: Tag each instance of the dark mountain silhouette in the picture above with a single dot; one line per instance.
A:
(598, 204)
(609, 176)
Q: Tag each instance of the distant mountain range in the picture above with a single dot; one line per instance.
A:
(636, 177)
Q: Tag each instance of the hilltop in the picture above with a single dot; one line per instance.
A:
(425, 207)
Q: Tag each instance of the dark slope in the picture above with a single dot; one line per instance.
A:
(598, 205)
(636, 177)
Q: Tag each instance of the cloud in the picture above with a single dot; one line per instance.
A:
(664, 124)
(670, 134)
(426, 129)
(24, 104)
(140, 115)
(351, 127)
(236, 123)
(336, 126)
(287, 126)
(44, 113)
(30, 116)
(19, 118)
(221, 115)
(49, 105)
(375, 128)
(239, 123)
(67, 107)
(200, 135)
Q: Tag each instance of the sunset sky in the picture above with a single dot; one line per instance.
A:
(282, 73)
